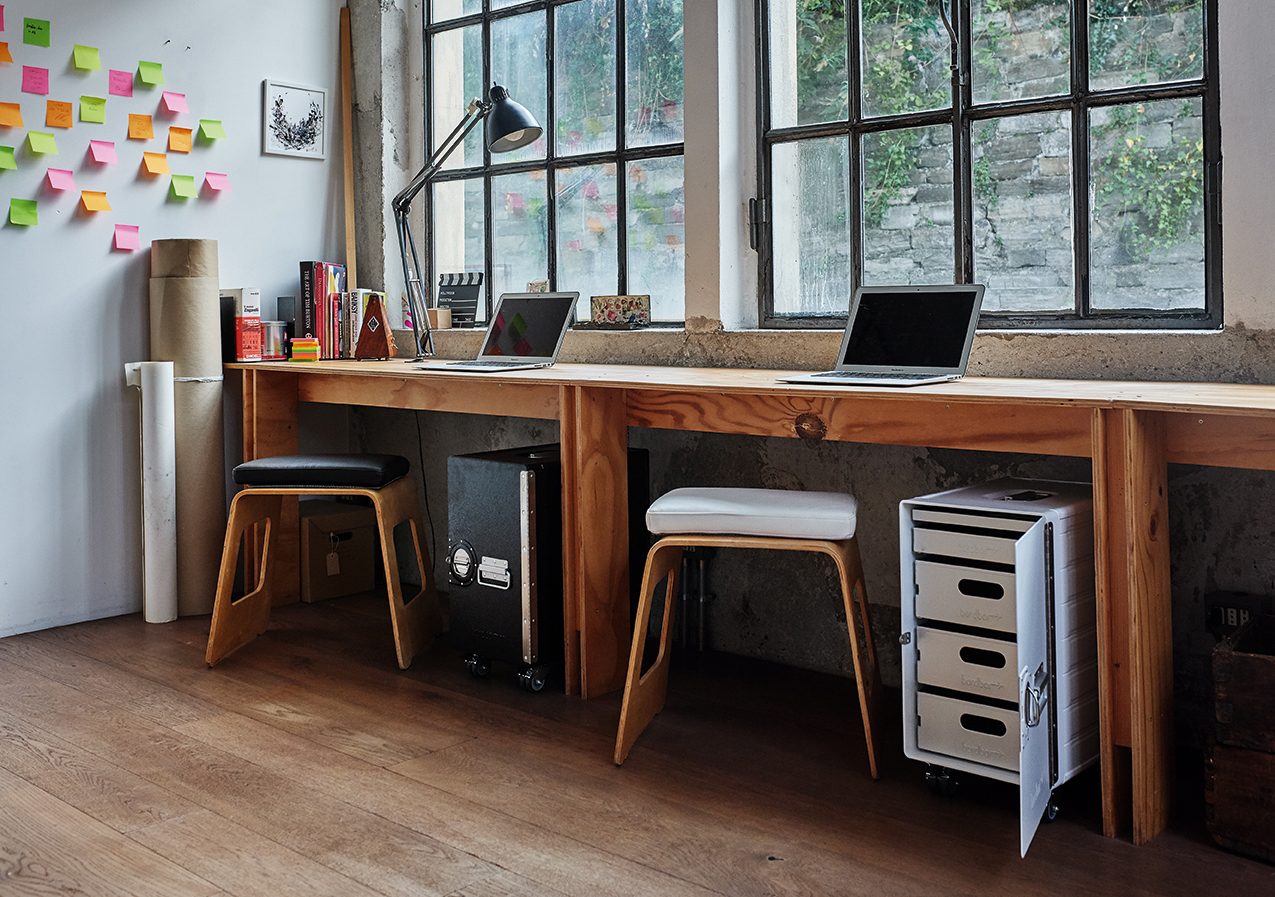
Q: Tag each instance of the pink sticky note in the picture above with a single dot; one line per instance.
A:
(1, 17)
(175, 102)
(121, 83)
(126, 238)
(61, 179)
(216, 180)
(102, 151)
(35, 80)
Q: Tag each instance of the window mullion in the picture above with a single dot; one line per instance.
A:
(854, 73)
(551, 147)
(962, 150)
(621, 144)
(488, 210)
(1080, 155)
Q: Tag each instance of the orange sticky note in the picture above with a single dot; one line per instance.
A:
(179, 140)
(94, 201)
(155, 163)
(5, 55)
(10, 115)
(58, 114)
(139, 127)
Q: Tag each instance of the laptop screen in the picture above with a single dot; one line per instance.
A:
(924, 329)
(528, 327)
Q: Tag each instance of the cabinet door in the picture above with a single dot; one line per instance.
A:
(1035, 782)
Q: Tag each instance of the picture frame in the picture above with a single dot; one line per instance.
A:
(294, 120)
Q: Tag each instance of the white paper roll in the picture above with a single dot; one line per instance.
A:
(159, 488)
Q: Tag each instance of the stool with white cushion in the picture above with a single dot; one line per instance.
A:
(822, 522)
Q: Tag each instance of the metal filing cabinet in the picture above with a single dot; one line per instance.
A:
(999, 638)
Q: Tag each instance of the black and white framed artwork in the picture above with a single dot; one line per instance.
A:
(294, 120)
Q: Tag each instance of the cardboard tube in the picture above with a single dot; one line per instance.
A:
(154, 379)
(185, 323)
(184, 258)
(201, 492)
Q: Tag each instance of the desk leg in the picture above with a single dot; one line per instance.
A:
(270, 428)
(595, 489)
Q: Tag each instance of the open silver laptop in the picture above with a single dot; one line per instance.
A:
(526, 331)
(905, 336)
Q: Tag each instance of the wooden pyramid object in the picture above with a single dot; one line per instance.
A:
(375, 338)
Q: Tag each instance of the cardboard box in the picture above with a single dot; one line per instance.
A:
(338, 550)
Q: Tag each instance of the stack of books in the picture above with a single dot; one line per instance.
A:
(330, 313)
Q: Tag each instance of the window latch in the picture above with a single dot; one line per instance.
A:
(757, 220)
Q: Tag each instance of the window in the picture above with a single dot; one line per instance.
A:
(596, 204)
(1064, 153)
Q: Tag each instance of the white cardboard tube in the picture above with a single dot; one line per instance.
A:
(159, 488)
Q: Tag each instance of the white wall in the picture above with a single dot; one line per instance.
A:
(76, 311)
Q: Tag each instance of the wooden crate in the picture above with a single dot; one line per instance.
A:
(1239, 794)
(1244, 686)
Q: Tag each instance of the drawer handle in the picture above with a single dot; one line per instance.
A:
(983, 658)
(983, 725)
(977, 588)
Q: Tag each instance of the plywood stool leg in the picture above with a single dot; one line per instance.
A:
(415, 620)
(863, 654)
(235, 623)
(644, 693)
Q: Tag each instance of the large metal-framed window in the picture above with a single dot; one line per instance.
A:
(1065, 152)
(596, 204)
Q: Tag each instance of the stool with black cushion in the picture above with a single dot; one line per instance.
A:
(776, 519)
(383, 479)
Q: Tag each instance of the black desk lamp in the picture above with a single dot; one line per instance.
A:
(509, 127)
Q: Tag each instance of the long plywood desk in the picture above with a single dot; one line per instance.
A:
(1131, 432)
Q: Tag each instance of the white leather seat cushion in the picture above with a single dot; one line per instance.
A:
(754, 512)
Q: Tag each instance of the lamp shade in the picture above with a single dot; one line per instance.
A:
(509, 125)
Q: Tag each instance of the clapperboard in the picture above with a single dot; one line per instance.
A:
(459, 292)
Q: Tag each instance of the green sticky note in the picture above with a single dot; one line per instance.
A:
(35, 32)
(184, 186)
(24, 212)
(93, 109)
(40, 142)
(87, 58)
(6, 159)
(211, 129)
(151, 73)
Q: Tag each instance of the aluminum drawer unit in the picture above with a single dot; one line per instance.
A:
(999, 638)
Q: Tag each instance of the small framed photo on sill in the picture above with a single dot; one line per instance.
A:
(294, 120)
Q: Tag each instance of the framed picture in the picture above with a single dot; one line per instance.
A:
(294, 120)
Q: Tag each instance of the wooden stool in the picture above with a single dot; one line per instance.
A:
(822, 522)
(381, 478)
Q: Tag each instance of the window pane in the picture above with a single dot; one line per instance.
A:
(906, 58)
(653, 58)
(1022, 49)
(458, 230)
(442, 10)
(1022, 213)
(588, 254)
(657, 234)
(907, 207)
(1147, 199)
(520, 231)
(808, 80)
(457, 64)
(518, 54)
(810, 233)
(584, 76)
(1145, 41)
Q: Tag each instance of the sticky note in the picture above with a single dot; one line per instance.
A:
(1, 17)
(126, 237)
(61, 179)
(35, 80)
(184, 186)
(179, 140)
(94, 201)
(211, 129)
(35, 32)
(5, 55)
(174, 102)
(139, 127)
(7, 162)
(39, 142)
(10, 115)
(93, 109)
(217, 181)
(151, 73)
(24, 212)
(155, 163)
(86, 58)
(121, 83)
(57, 114)
(102, 151)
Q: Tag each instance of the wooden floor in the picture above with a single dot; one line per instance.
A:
(308, 765)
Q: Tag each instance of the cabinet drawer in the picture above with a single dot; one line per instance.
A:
(980, 666)
(954, 594)
(968, 546)
(987, 735)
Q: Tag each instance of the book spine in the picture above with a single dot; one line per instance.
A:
(307, 328)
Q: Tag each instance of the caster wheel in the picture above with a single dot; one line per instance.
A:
(534, 679)
(479, 667)
(942, 782)
(1051, 810)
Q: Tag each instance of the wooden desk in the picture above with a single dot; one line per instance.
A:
(1130, 431)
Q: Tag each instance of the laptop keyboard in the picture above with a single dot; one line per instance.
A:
(484, 364)
(858, 375)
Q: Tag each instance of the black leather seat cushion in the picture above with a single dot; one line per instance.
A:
(323, 471)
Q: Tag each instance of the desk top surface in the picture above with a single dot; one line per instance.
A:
(1204, 398)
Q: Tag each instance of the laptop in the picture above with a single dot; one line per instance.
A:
(526, 331)
(905, 336)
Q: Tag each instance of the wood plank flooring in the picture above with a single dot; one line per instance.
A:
(307, 764)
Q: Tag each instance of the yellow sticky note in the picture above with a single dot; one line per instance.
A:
(94, 201)
(93, 109)
(5, 55)
(87, 58)
(179, 140)
(10, 115)
(139, 127)
(58, 114)
(151, 73)
(42, 143)
(184, 186)
(155, 163)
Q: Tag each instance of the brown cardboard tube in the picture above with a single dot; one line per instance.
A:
(183, 258)
(201, 493)
(186, 325)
